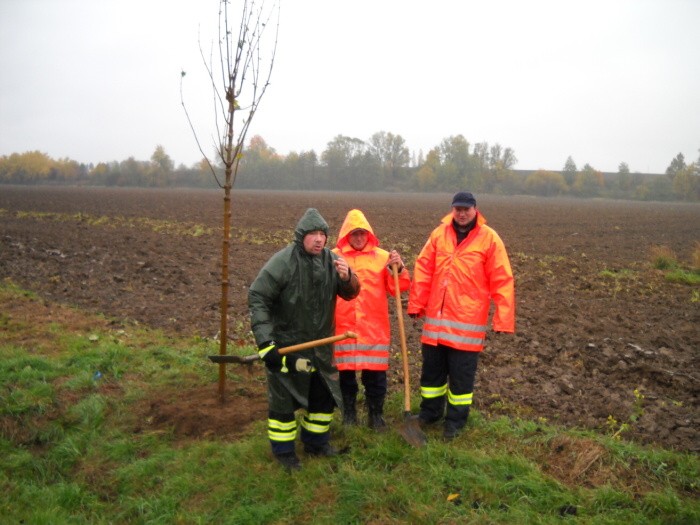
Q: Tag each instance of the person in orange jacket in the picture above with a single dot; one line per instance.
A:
(368, 316)
(462, 268)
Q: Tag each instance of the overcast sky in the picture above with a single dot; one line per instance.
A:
(602, 81)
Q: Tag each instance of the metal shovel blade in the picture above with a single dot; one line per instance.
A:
(412, 432)
(234, 358)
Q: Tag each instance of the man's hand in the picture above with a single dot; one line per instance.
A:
(341, 266)
(395, 258)
(270, 355)
(287, 364)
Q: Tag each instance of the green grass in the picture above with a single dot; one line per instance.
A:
(663, 258)
(68, 454)
(618, 274)
(691, 277)
(621, 279)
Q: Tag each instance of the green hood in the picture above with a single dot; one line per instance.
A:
(309, 222)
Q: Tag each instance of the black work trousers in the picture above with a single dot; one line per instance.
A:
(374, 382)
(447, 374)
(315, 427)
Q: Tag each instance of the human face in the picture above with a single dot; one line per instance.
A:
(462, 215)
(358, 239)
(314, 242)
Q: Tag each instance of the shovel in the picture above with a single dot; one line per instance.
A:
(410, 430)
(283, 351)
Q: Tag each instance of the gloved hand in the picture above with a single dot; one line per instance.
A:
(275, 362)
(270, 355)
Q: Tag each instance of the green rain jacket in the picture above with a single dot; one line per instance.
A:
(292, 301)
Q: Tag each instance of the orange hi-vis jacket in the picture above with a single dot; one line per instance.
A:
(453, 286)
(368, 314)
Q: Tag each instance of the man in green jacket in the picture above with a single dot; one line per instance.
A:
(292, 301)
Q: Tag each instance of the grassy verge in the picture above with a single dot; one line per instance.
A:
(73, 450)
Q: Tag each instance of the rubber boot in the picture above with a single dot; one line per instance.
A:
(454, 426)
(326, 450)
(289, 461)
(375, 418)
(349, 409)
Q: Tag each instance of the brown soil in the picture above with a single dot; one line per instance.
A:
(586, 338)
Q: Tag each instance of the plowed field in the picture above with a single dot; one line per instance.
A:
(602, 337)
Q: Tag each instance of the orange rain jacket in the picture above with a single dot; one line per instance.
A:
(367, 315)
(453, 286)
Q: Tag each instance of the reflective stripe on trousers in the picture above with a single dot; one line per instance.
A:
(281, 430)
(317, 423)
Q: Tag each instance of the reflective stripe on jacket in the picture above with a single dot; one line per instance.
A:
(368, 314)
(454, 285)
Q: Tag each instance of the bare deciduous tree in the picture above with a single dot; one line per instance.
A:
(237, 90)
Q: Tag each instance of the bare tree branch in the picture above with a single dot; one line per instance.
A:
(240, 89)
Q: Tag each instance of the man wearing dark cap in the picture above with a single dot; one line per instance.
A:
(460, 270)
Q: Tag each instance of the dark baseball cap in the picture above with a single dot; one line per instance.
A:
(463, 199)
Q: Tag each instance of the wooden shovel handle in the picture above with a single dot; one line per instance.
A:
(247, 359)
(317, 342)
(402, 337)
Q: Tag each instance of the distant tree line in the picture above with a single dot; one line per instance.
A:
(382, 163)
